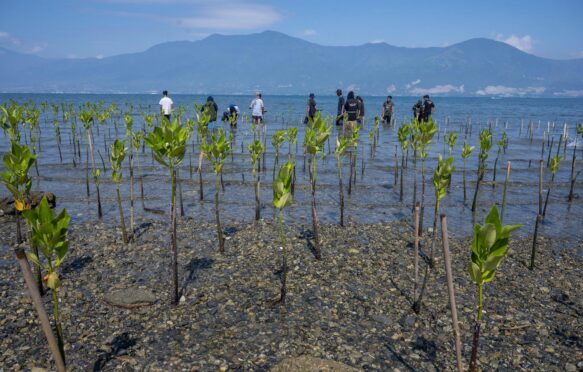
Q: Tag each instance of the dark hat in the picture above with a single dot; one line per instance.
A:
(312, 95)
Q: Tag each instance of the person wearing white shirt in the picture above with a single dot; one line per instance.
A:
(257, 108)
(166, 105)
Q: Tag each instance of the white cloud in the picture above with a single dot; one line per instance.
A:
(439, 89)
(377, 41)
(309, 32)
(523, 43)
(391, 88)
(230, 17)
(413, 83)
(501, 90)
(99, 56)
(7, 39)
(37, 48)
(569, 93)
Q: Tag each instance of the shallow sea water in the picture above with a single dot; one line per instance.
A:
(375, 196)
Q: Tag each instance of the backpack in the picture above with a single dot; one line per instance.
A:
(212, 111)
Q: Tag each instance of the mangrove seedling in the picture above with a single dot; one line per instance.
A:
(277, 140)
(18, 162)
(485, 146)
(202, 124)
(403, 135)
(489, 247)
(255, 150)
(427, 130)
(282, 198)
(341, 145)
(451, 140)
(441, 177)
(217, 151)
(501, 145)
(49, 234)
(118, 154)
(168, 143)
(554, 167)
(466, 152)
(86, 117)
(292, 139)
(316, 135)
(10, 119)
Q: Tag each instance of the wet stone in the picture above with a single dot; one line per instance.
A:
(311, 364)
(130, 298)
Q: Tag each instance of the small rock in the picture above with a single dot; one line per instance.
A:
(130, 298)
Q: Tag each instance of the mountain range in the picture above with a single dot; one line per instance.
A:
(276, 63)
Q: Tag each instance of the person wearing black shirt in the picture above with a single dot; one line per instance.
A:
(340, 113)
(351, 108)
(428, 107)
(388, 110)
(418, 110)
(311, 109)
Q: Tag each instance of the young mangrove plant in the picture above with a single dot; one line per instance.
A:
(501, 146)
(427, 130)
(403, 135)
(217, 151)
(292, 139)
(10, 120)
(466, 153)
(16, 178)
(554, 165)
(485, 146)
(86, 117)
(341, 145)
(202, 124)
(49, 234)
(256, 150)
(489, 247)
(316, 135)
(129, 123)
(118, 154)
(277, 140)
(441, 177)
(168, 143)
(451, 140)
(282, 197)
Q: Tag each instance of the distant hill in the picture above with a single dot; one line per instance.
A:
(280, 64)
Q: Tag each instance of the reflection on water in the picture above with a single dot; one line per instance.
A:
(375, 197)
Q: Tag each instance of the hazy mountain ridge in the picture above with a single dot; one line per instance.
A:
(280, 64)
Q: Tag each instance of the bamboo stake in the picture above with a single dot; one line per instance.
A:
(451, 292)
(41, 312)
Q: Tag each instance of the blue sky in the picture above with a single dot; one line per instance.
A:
(98, 28)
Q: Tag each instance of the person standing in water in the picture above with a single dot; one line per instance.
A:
(340, 113)
(166, 105)
(360, 118)
(417, 110)
(428, 107)
(310, 109)
(388, 110)
(211, 108)
(257, 108)
(351, 108)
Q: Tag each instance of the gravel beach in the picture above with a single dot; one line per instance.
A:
(352, 307)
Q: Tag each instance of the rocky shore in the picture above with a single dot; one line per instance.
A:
(353, 307)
